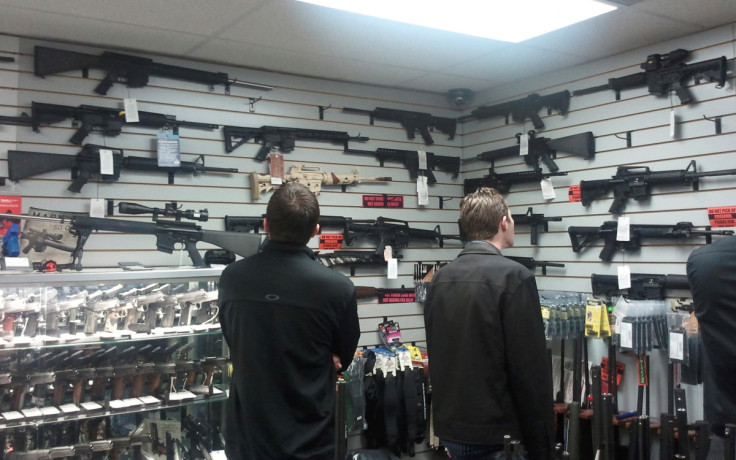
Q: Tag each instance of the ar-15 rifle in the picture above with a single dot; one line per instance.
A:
(410, 158)
(503, 181)
(543, 149)
(134, 71)
(531, 263)
(412, 122)
(282, 137)
(534, 221)
(168, 234)
(107, 120)
(521, 109)
(311, 176)
(644, 286)
(666, 72)
(243, 223)
(636, 182)
(85, 165)
(581, 237)
(389, 232)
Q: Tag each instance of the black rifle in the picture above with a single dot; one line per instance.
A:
(636, 182)
(534, 221)
(644, 286)
(108, 121)
(581, 237)
(410, 158)
(666, 72)
(543, 149)
(170, 209)
(243, 223)
(168, 234)
(134, 71)
(282, 137)
(531, 263)
(412, 122)
(85, 165)
(521, 109)
(503, 181)
(389, 232)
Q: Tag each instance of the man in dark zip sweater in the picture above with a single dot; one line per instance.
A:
(287, 320)
(485, 337)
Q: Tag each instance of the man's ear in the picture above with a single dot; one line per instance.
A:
(316, 230)
(504, 225)
(265, 225)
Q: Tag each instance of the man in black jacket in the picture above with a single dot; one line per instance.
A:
(288, 320)
(487, 351)
(711, 270)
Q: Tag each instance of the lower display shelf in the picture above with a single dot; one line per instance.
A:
(86, 410)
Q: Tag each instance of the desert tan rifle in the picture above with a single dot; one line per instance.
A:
(311, 176)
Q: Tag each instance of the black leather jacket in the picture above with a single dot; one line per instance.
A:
(488, 359)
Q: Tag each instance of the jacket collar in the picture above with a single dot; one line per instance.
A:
(281, 246)
(480, 247)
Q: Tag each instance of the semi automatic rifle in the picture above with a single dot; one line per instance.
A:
(133, 71)
(284, 138)
(412, 122)
(106, 120)
(311, 176)
(167, 233)
(85, 165)
(534, 221)
(532, 264)
(664, 73)
(411, 161)
(644, 286)
(244, 223)
(521, 109)
(637, 181)
(503, 181)
(582, 237)
(544, 150)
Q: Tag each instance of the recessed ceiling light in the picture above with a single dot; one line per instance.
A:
(505, 20)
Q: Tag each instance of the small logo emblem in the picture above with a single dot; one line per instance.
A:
(272, 297)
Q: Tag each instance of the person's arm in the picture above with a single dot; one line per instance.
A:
(347, 334)
(530, 377)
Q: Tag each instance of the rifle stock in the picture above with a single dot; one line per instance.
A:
(542, 149)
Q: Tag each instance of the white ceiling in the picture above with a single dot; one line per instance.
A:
(297, 38)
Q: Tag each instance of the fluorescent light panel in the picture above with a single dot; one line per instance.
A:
(506, 20)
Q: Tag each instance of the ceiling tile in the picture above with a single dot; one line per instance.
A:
(515, 63)
(704, 14)
(443, 82)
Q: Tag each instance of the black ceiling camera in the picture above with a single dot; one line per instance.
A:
(459, 97)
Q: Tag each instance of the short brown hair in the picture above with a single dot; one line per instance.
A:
(292, 214)
(481, 213)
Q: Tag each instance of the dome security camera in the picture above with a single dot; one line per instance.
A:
(459, 97)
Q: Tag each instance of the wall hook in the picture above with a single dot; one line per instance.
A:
(628, 138)
(322, 111)
(717, 121)
(252, 103)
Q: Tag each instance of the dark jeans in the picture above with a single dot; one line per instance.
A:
(459, 451)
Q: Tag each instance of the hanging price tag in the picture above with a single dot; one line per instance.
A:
(422, 160)
(131, 110)
(624, 277)
(167, 150)
(523, 144)
(623, 229)
(548, 190)
(107, 166)
(422, 191)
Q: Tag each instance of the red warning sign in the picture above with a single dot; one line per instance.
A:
(573, 193)
(724, 216)
(330, 241)
(383, 201)
(397, 297)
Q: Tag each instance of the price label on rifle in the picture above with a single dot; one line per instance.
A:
(330, 241)
(397, 297)
(573, 193)
(724, 216)
(383, 201)
(167, 150)
(9, 204)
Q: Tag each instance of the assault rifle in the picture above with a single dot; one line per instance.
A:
(581, 237)
(534, 221)
(666, 72)
(644, 286)
(503, 182)
(521, 109)
(281, 137)
(243, 223)
(410, 158)
(168, 234)
(543, 149)
(412, 122)
(85, 165)
(134, 71)
(389, 232)
(311, 176)
(108, 121)
(636, 182)
(531, 263)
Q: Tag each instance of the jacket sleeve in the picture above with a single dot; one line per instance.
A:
(530, 377)
(348, 333)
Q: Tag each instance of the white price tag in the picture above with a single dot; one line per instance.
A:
(624, 277)
(673, 123)
(422, 160)
(548, 190)
(97, 207)
(627, 335)
(677, 346)
(167, 150)
(622, 229)
(523, 144)
(392, 271)
(107, 164)
(422, 191)
(131, 110)
(276, 181)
